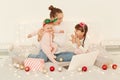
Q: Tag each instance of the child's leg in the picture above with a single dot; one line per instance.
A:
(32, 55)
(66, 56)
(41, 55)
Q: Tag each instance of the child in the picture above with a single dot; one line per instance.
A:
(76, 45)
(48, 48)
(79, 37)
(41, 31)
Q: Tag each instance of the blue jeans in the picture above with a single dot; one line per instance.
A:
(41, 55)
(66, 56)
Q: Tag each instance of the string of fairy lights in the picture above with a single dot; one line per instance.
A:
(48, 72)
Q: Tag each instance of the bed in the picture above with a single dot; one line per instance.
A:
(23, 47)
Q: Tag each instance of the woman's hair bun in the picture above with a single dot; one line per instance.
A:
(51, 7)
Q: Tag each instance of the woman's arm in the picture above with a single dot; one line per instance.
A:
(57, 30)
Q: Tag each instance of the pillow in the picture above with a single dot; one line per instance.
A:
(23, 50)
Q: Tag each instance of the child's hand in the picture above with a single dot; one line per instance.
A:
(53, 56)
(29, 36)
(40, 32)
(52, 49)
(73, 38)
(61, 31)
(78, 42)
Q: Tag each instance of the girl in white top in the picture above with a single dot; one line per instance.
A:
(78, 39)
(75, 45)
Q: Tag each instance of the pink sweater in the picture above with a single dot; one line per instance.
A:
(48, 47)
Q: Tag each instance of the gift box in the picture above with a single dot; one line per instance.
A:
(34, 64)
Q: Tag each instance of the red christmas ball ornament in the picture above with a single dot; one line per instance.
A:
(27, 69)
(114, 66)
(104, 67)
(52, 68)
(84, 68)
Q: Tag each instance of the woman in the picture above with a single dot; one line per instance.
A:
(55, 13)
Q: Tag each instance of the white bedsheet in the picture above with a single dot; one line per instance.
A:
(8, 72)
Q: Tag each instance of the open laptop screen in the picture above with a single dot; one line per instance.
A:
(83, 60)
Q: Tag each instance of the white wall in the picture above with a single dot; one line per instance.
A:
(102, 16)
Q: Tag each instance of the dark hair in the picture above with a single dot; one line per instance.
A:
(54, 11)
(83, 28)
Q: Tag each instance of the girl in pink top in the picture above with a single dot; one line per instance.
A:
(48, 48)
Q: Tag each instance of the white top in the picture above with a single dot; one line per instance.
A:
(64, 43)
(81, 49)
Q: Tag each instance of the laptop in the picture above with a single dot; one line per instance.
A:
(81, 60)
